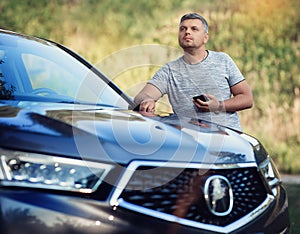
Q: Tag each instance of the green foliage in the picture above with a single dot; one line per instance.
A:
(40, 18)
(293, 191)
(262, 36)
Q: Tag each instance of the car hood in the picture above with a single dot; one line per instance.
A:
(119, 136)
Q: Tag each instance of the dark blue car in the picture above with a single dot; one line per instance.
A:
(76, 158)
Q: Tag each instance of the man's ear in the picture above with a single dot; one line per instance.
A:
(206, 38)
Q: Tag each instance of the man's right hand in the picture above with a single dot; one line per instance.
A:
(146, 99)
(147, 107)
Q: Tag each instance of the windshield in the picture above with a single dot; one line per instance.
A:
(33, 69)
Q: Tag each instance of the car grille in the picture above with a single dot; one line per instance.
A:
(180, 192)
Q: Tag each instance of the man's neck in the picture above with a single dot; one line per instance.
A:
(195, 56)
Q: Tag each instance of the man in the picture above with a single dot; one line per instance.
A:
(198, 71)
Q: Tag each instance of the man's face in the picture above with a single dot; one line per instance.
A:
(192, 34)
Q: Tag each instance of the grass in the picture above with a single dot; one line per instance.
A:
(293, 191)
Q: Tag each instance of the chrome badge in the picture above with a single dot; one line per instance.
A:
(218, 195)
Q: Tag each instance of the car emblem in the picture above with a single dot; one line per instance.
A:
(218, 195)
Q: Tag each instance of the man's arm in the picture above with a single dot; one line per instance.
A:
(147, 97)
(242, 97)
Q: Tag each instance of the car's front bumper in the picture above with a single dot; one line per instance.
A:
(34, 212)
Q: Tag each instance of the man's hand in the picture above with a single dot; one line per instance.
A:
(147, 107)
(212, 105)
(146, 99)
(241, 100)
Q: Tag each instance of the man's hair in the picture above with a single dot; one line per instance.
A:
(195, 16)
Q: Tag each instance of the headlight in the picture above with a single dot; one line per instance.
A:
(50, 172)
(259, 151)
(271, 174)
(265, 163)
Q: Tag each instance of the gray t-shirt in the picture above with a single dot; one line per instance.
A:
(214, 75)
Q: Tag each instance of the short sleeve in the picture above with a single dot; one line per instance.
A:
(160, 79)
(235, 75)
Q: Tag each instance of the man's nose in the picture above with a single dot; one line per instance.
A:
(188, 31)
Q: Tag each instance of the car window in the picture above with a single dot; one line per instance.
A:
(32, 68)
(45, 73)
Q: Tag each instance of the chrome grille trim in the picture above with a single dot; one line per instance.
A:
(172, 218)
(116, 200)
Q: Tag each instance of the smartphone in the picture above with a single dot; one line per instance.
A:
(202, 97)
